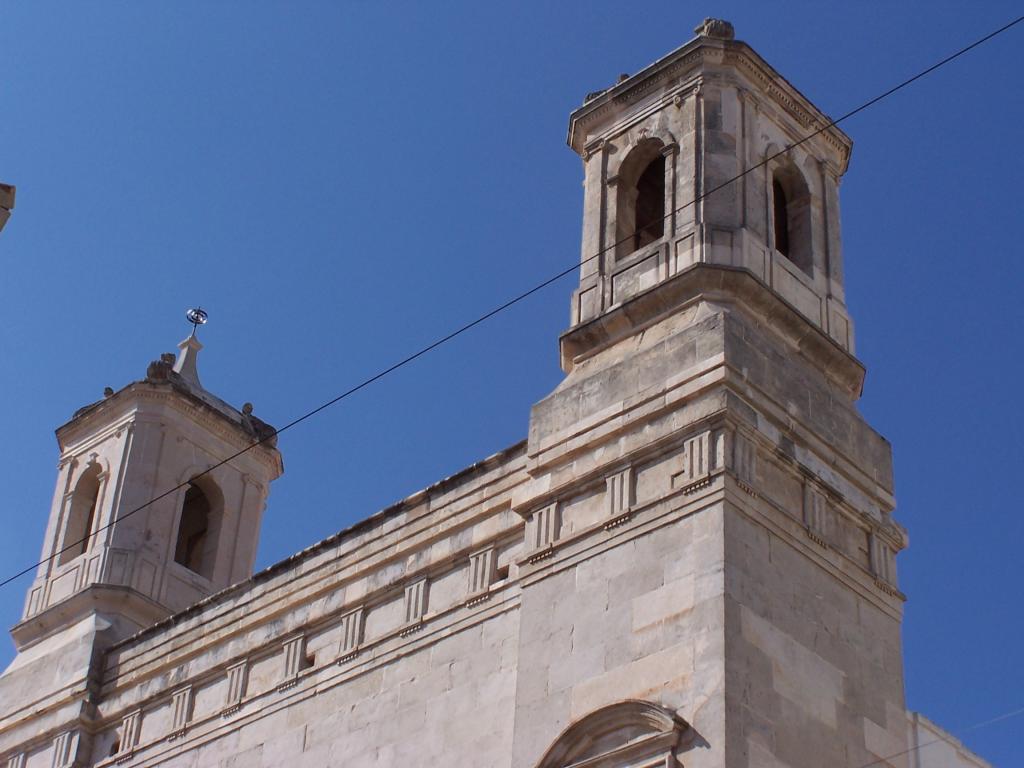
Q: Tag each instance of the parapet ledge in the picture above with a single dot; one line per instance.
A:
(727, 285)
(355, 537)
(94, 599)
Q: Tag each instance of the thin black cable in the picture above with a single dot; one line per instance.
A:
(513, 301)
(941, 740)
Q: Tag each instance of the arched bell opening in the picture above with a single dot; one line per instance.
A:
(791, 217)
(640, 206)
(199, 527)
(81, 517)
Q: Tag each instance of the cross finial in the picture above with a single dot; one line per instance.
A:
(185, 365)
(197, 316)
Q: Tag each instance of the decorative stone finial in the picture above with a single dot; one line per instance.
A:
(158, 370)
(259, 429)
(185, 365)
(719, 29)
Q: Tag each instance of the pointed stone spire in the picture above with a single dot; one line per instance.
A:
(185, 365)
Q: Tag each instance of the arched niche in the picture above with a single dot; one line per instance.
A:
(790, 207)
(199, 526)
(641, 196)
(81, 514)
(628, 733)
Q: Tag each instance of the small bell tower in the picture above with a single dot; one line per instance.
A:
(707, 156)
(705, 503)
(117, 542)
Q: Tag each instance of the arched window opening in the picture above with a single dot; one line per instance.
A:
(650, 204)
(791, 218)
(81, 515)
(640, 206)
(196, 545)
(781, 220)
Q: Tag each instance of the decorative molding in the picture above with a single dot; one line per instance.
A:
(882, 565)
(219, 426)
(482, 569)
(620, 496)
(181, 711)
(415, 604)
(816, 513)
(542, 531)
(698, 461)
(66, 750)
(744, 463)
(737, 54)
(636, 733)
(131, 728)
(294, 660)
(238, 681)
(351, 634)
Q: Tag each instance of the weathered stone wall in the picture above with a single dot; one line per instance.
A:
(640, 619)
(393, 621)
(815, 673)
(691, 560)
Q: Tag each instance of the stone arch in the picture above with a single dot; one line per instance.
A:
(200, 519)
(790, 215)
(641, 195)
(81, 513)
(622, 733)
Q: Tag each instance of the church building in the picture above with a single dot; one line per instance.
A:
(691, 560)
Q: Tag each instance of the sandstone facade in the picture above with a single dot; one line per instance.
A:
(691, 560)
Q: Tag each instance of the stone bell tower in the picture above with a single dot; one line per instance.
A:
(114, 559)
(707, 511)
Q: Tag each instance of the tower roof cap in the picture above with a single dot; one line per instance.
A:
(671, 78)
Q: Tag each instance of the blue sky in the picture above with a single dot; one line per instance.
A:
(341, 183)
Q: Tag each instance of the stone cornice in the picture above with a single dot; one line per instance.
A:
(315, 682)
(187, 405)
(714, 282)
(700, 51)
(345, 552)
(96, 598)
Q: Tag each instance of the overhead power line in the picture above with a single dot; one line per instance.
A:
(942, 740)
(519, 298)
